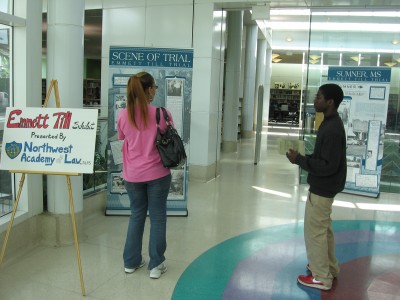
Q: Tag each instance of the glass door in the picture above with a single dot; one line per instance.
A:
(357, 39)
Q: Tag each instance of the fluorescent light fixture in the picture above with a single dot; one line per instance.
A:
(289, 25)
(330, 49)
(290, 12)
(363, 27)
(333, 26)
(307, 12)
(358, 13)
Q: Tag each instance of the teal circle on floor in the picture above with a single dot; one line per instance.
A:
(264, 264)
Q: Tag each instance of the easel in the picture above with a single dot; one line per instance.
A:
(53, 84)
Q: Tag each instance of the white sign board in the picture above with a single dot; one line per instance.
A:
(49, 140)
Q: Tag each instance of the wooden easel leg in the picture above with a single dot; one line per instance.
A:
(72, 209)
(3, 251)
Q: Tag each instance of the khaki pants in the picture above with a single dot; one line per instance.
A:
(319, 239)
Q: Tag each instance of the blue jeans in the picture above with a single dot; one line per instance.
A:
(152, 196)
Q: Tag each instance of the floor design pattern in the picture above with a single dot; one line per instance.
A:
(264, 264)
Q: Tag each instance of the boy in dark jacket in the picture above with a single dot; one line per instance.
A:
(326, 169)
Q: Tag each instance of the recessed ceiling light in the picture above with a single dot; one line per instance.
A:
(390, 64)
(314, 57)
(395, 42)
(357, 58)
(274, 55)
(276, 60)
(289, 39)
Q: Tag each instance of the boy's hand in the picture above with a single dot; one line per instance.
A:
(291, 155)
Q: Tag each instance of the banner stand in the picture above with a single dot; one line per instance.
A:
(172, 71)
(54, 84)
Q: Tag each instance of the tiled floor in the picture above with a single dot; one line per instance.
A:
(242, 239)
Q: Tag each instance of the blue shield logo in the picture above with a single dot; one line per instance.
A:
(13, 149)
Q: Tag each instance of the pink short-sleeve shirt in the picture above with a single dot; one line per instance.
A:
(141, 160)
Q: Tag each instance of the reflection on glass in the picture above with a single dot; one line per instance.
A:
(5, 6)
(5, 177)
(356, 47)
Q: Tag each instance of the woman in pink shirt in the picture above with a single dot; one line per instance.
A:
(146, 180)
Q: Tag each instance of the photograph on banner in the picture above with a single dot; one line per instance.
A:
(177, 190)
(117, 186)
(116, 151)
(344, 112)
(174, 101)
(119, 104)
(373, 142)
(353, 167)
(364, 112)
(49, 140)
(172, 72)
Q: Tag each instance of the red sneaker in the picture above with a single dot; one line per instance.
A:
(309, 280)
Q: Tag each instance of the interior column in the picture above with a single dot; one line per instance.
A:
(249, 81)
(65, 64)
(232, 81)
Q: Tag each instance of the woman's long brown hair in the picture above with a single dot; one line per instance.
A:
(137, 96)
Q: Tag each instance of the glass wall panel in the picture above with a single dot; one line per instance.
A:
(98, 180)
(6, 200)
(5, 6)
(356, 38)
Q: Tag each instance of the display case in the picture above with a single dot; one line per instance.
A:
(91, 91)
(284, 105)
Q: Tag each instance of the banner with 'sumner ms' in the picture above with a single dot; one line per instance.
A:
(49, 140)
(363, 112)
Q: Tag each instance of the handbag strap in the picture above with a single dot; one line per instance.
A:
(165, 116)
(158, 116)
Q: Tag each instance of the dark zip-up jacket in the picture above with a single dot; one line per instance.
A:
(327, 167)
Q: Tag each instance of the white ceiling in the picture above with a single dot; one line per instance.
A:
(300, 38)
(328, 39)
(311, 3)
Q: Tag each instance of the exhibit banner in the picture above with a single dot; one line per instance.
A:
(364, 113)
(172, 71)
(49, 140)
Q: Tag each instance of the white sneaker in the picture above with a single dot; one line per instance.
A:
(156, 272)
(131, 270)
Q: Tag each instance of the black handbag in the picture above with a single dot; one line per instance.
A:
(169, 144)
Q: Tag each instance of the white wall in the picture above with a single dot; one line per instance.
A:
(170, 24)
(135, 23)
